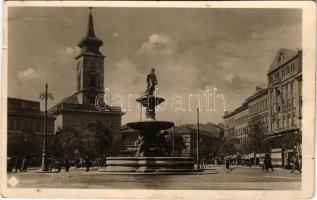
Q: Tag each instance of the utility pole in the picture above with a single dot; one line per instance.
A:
(45, 96)
(197, 140)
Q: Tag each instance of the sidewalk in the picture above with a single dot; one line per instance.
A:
(211, 166)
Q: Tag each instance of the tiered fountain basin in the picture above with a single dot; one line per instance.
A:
(149, 164)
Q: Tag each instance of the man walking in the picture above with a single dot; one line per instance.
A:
(67, 165)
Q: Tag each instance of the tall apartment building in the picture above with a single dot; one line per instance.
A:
(285, 99)
(258, 110)
(236, 126)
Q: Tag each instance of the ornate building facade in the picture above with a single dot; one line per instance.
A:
(79, 109)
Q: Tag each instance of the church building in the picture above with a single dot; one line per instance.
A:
(78, 110)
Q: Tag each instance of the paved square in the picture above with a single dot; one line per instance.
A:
(213, 178)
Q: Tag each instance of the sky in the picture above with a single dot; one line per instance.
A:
(224, 50)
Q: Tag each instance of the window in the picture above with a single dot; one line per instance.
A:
(284, 121)
(283, 72)
(92, 100)
(287, 69)
(294, 103)
(280, 58)
(292, 67)
(92, 81)
(78, 81)
(24, 105)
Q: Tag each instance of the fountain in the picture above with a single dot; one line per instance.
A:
(150, 156)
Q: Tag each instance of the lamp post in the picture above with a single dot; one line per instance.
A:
(173, 142)
(45, 96)
(110, 145)
(197, 140)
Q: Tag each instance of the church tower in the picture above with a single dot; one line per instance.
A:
(90, 66)
(77, 112)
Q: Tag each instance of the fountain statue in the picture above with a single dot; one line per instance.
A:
(150, 156)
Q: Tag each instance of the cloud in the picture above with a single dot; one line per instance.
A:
(72, 50)
(159, 44)
(29, 74)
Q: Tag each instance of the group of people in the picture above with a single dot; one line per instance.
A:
(267, 163)
(58, 163)
(20, 164)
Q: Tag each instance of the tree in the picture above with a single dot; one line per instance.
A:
(179, 144)
(99, 143)
(25, 144)
(228, 147)
(65, 142)
(256, 137)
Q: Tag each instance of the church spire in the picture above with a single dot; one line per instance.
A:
(90, 43)
(90, 31)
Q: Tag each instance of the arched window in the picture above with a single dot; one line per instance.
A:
(281, 58)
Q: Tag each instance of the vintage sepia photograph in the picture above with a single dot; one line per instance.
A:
(157, 97)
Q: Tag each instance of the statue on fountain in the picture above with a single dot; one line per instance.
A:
(151, 82)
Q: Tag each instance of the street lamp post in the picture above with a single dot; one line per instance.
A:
(45, 96)
(110, 145)
(173, 142)
(197, 140)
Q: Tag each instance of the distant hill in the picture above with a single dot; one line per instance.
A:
(208, 129)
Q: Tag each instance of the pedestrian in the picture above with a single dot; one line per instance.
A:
(203, 163)
(10, 165)
(295, 163)
(18, 165)
(270, 165)
(59, 165)
(87, 162)
(67, 165)
(51, 165)
(228, 164)
(24, 164)
(266, 163)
